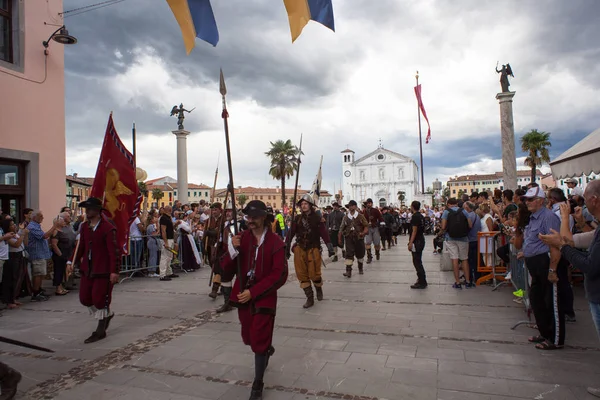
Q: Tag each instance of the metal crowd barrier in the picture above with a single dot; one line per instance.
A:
(488, 262)
(138, 259)
(519, 277)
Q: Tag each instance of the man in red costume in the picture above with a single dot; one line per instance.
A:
(263, 271)
(99, 260)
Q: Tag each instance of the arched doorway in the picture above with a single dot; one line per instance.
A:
(382, 202)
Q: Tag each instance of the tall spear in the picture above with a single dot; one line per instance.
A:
(211, 199)
(225, 116)
(295, 200)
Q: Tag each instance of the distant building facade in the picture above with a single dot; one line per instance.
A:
(78, 190)
(168, 186)
(479, 183)
(32, 109)
(379, 175)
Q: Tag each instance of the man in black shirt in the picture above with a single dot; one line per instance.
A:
(167, 234)
(416, 244)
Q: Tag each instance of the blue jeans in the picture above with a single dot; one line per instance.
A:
(595, 309)
(135, 250)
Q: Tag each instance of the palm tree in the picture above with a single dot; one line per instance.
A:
(284, 159)
(401, 196)
(157, 194)
(536, 144)
(144, 192)
(242, 198)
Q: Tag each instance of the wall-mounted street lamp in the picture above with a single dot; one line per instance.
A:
(61, 35)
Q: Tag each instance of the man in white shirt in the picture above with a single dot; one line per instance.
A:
(136, 243)
(4, 237)
(574, 190)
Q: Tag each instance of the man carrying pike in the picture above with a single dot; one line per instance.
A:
(263, 270)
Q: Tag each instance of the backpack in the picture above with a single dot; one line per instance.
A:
(457, 224)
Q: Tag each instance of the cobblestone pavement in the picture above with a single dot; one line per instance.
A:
(371, 338)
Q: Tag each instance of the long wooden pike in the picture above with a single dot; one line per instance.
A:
(24, 344)
(212, 198)
(288, 240)
(230, 186)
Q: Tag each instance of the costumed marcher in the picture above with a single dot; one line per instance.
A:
(353, 229)
(386, 228)
(375, 220)
(213, 232)
(334, 221)
(309, 228)
(226, 281)
(99, 260)
(263, 271)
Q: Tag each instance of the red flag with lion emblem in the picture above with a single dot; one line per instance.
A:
(116, 184)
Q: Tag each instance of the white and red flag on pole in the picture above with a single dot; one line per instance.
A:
(422, 108)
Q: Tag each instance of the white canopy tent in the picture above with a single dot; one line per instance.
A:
(581, 159)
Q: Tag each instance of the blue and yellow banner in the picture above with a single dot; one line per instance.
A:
(196, 20)
(302, 11)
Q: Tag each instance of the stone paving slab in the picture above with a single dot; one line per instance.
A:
(371, 338)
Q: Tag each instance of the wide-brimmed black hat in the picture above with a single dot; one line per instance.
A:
(255, 208)
(92, 202)
(335, 204)
(217, 205)
(369, 201)
(351, 203)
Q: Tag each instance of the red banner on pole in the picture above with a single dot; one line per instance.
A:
(422, 108)
(116, 184)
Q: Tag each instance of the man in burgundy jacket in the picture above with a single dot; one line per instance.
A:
(374, 217)
(99, 260)
(263, 271)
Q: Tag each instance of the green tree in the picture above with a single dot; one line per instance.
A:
(242, 199)
(536, 145)
(144, 192)
(157, 194)
(284, 159)
(459, 194)
(401, 197)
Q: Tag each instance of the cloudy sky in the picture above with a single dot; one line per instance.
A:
(342, 89)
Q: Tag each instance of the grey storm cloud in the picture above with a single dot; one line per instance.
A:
(263, 66)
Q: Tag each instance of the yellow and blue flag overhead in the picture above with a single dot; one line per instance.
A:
(302, 11)
(196, 20)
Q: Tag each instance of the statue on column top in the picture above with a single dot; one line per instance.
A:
(504, 73)
(179, 112)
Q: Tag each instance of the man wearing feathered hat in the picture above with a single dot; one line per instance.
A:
(263, 270)
(309, 228)
(99, 260)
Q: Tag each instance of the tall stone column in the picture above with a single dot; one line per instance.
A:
(507, 127)
(182, 169)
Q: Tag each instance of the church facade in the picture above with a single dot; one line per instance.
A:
(379, 175)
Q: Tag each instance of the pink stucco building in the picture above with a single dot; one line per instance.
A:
(32, 108)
